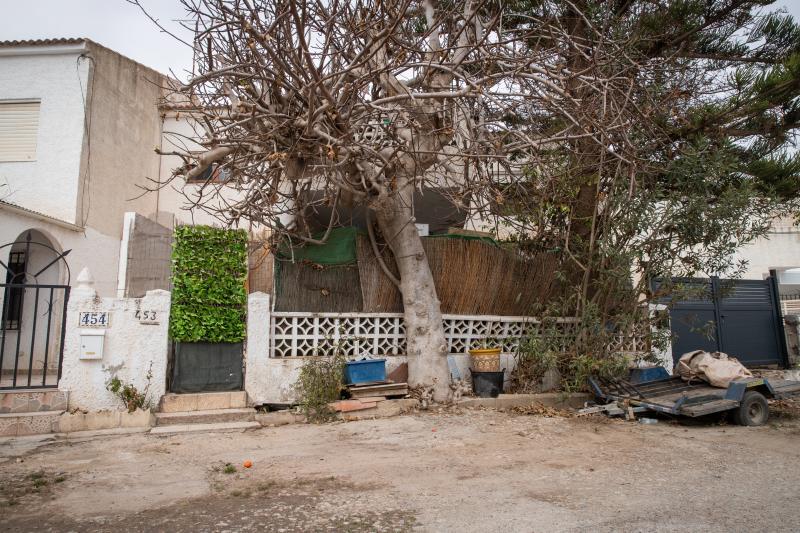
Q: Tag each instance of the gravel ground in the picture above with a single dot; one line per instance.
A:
(471, 470)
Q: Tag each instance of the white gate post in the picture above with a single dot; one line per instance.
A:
(257, 349)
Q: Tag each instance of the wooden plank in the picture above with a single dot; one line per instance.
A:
(707, 408)
(372, 398)
(370, 384)
(388, 389)
(377, 387)
(394, 391)
(691, 394)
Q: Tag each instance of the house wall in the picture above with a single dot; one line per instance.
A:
(178, 197)
(177, 200)
(779, 249)
(98, 130)
(124, 131)
(88, 247)
(56, 76)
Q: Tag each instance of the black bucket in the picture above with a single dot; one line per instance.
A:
(487, 384)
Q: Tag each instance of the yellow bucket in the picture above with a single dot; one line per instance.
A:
(485, 359)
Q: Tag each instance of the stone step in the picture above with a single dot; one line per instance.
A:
(205, 428)
(209, 416)
(203, 401)
(33, 423)
(20, 401)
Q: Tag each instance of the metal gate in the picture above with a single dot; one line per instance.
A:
(739, 317)
(33, 318)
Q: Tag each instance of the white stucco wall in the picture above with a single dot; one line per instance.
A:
(89, 248)
(779, 249)
(178, 130)
(131, 348)
(49, 184)
(178, 198)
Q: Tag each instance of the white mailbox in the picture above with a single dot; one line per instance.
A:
(92, 343)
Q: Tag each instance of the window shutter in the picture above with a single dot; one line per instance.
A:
(19, 126)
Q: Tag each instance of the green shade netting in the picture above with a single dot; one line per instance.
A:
(339, 248)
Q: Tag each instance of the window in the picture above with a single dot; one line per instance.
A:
(216, 175)
(12, 311)
(19, 127)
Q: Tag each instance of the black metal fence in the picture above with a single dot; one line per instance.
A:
(32, 334)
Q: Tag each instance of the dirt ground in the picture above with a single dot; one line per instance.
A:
(471, 470)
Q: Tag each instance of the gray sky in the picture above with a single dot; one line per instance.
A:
(122, 27)
(115, 24)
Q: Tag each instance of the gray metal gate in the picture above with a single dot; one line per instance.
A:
(739, 317)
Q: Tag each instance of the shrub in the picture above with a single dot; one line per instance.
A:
(320, 383)
(131, 397)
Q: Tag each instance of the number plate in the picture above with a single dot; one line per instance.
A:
(94, 319)
(148, 316)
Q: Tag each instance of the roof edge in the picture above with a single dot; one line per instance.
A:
(24, 211)
(43, 47)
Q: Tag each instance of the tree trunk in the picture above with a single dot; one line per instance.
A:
(425, 341)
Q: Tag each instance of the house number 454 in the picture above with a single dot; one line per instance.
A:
(146, 316)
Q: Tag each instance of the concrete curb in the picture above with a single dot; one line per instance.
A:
(221, 427)
(89, 434)
(280, 418)
(548, 399)
(383, 409)
(105, 420)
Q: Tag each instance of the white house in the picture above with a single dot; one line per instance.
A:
(78, 127)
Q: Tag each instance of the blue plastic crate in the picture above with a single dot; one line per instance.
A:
(643, 375)
(365, 371)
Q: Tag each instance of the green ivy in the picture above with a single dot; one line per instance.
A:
(209, 299)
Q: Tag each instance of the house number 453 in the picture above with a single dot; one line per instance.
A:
(146, 316)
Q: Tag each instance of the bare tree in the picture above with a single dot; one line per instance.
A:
(366, 101)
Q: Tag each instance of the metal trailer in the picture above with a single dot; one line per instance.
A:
(745, 399)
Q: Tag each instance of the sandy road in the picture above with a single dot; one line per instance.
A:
(446, 471)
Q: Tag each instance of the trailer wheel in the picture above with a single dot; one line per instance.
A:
(753, 411)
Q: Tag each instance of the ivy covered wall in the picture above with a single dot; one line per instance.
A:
(209, 298)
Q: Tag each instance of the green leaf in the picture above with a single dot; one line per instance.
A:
(209, 270)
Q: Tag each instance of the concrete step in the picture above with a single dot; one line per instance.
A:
(203, 401)
(205, 428)
(34, 423)
(209, 416)
(32, 400)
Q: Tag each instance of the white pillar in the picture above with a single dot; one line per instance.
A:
(257, 349)
(82, 297)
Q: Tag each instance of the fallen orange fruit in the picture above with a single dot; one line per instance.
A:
(248, 464)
